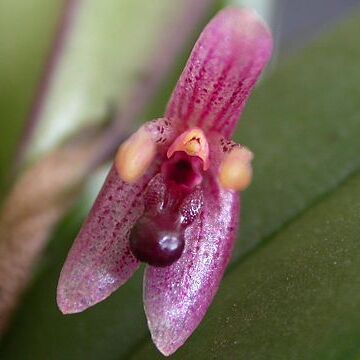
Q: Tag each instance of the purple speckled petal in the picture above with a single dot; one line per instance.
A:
(100, 259)
(221, 72)
(177, 297)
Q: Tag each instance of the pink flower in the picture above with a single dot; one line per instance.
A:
(171, 199)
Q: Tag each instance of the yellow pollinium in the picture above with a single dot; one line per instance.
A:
(235, 171)
(134, 156)
(194, 143)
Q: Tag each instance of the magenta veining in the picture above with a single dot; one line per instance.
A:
(171, 199)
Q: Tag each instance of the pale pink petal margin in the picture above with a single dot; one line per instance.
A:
(221, 72)
(177, 297)
(100, 259)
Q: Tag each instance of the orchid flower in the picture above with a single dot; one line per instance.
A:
(171, 198)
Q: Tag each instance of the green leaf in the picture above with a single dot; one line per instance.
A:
(295, 297)
(303, 126)
(26, 30)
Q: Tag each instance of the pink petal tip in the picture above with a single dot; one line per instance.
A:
(222, 70)
(177, 297)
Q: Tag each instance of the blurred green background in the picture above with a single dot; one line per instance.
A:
(292, 290)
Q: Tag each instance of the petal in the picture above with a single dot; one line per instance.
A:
(177, 297)
(221, 72)
(100, 259)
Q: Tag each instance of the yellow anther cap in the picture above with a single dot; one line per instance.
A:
(194, 143)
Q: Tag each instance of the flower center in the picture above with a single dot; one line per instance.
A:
(187, 156)
(193, 142)
(172, 201)
(183, 170)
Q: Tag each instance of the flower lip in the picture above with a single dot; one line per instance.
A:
(158, 237)
(157, 240)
